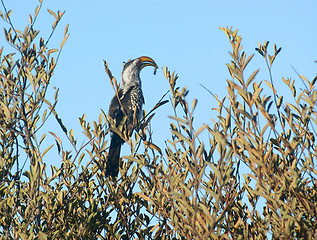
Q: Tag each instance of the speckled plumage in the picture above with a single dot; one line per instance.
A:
(126, 109)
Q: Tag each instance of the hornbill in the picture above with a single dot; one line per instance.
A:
(126, 109)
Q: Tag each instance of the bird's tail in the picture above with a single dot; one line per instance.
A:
(112, 167)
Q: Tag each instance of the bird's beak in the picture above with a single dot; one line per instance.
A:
(147, 61)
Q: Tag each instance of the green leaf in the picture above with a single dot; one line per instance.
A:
(152, 146)
(247, 61)
(42, 236)
(202, 128)
(178, 119)
(52, 13)
(252, 77)
(44, 116)
(63, 41)
(46, 150)
(271, 86)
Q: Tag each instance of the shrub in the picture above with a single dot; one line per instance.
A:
(192, 189)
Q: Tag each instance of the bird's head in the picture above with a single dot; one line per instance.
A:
(131, 70)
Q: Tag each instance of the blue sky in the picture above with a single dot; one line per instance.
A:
(182, 35)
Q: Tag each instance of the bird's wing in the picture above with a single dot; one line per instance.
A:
(127, 103)
(115, 108)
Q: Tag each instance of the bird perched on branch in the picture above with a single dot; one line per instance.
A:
(126, 109)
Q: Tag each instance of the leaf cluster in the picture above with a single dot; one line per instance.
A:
(253, 177)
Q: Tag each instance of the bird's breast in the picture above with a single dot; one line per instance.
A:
(136, 98)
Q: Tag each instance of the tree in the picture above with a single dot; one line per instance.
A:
(192, 189)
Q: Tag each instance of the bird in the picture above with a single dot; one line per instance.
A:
(125, 109)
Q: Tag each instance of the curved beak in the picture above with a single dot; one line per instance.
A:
(147, 61)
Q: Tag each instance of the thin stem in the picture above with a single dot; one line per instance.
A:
(9, 20)
(274, 94)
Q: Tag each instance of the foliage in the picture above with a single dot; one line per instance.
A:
(193, 189)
